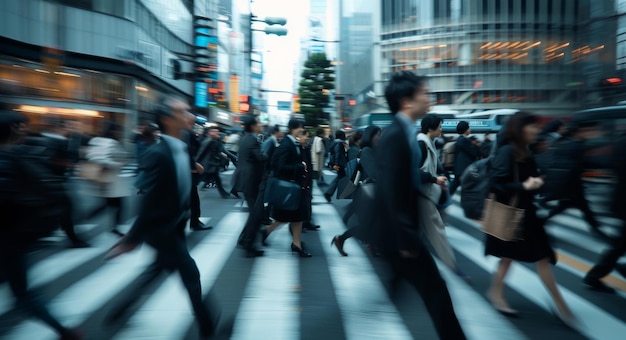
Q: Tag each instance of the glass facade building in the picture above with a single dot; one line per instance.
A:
(489, 54)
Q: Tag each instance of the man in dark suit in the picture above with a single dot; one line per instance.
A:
(609, 259)
(396, 232)
(252, 179)
(466, 152)
(57, 145)
(164, 208)
(339, 158)
(197, 171)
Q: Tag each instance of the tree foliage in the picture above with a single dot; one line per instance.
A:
(318, 78)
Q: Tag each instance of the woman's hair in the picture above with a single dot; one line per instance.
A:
(355, 138)
(295, 124)
(367, 140)
(514, 133)
(430, 122)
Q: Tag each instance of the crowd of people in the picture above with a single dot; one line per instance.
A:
(402, 181)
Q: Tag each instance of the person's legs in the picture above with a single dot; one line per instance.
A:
(218, 183)
(547, 277)
(13, 263)
(195, 207)
(421, 271)
(496, 291)
(608, 261)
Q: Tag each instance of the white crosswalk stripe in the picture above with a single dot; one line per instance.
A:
(270, 303)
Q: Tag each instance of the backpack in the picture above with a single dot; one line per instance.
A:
(448, 155)
(476, 185)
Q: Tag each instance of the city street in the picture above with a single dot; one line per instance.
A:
(281, 296)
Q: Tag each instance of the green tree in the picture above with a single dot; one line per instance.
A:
(318, 78)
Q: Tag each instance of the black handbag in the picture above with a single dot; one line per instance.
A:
(282, 194)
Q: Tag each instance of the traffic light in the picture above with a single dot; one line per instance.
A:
(244, 104)
(205, 51)
(275, 21)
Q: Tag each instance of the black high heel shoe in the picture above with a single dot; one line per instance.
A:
(338, 242)
(296, 249)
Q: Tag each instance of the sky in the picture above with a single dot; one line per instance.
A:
(282, 53)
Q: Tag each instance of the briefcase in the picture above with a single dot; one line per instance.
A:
(282, 194)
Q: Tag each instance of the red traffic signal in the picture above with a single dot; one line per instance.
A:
(352, 102)
(614, 81)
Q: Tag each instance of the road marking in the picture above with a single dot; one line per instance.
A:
(594, 322)
(270, 308)
(57, 265)
(167, 314)
(364, 303)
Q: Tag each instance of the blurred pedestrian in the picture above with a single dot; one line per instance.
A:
(20, 224)
(197, 170)
(304, 140)
(108, 153)
(338, 160)
(609, 259)
(434, 193)
(253, 180)
(466, 152)
(514, 173)
(164, 211)
(212, 158)
(288, 164)
(396, 231)
(54, 139)
(369, 173)
(318, 155)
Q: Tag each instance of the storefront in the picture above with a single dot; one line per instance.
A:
(90, 97)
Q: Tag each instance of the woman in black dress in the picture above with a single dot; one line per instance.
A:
(288, 163)
(514, 172)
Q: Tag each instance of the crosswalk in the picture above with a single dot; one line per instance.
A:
(280, 296)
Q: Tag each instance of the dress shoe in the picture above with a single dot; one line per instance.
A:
(267, 221)
(328, 197)
(253, 252)
(199, 226)
(299, 250)
(310, 226)
(338, 242)
(598, 285)
(72, 334)
(502, 308)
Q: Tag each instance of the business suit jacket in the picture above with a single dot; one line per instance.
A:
(466, 154)
(251, 166)
(161, 207)
(619, 196)
(396, 228)
(287, 163)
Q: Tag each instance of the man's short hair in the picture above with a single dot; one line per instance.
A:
(430, 122)
(340, 134)
(402, 85)
(462, 127)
